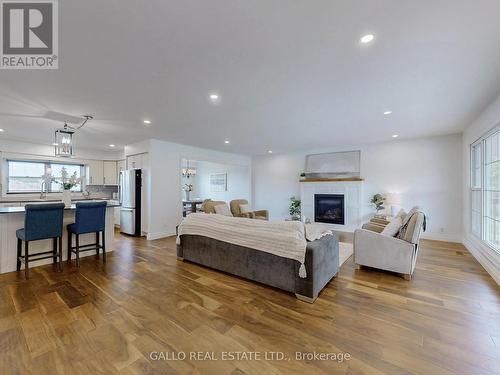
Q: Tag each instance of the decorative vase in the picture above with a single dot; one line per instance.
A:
(67, 198)
(188, 195)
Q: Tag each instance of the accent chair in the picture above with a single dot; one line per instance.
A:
(396, 254)
(236, 209)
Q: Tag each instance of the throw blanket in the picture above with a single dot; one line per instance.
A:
(285, 239)
(316, 231)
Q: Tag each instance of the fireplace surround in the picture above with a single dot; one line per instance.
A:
(352, 192)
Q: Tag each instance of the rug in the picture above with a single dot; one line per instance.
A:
(345, 252)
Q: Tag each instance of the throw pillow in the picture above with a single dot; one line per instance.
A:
(392, 228)
(401, 214)
(223, 209)
(245, 208)
(410, 214)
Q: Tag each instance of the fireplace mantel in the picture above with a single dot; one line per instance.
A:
(332, 179)
(352, 190)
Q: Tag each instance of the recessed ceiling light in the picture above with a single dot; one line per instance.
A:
(147, 122)
(214, 98)
(1, 130)
(226, 141)
(270, 152)
(395, 136)
(387, 113)
(111, 145)
(367, 38)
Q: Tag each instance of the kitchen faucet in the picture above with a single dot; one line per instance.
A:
(43, 186)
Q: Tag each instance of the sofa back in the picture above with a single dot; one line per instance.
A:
(412, 230)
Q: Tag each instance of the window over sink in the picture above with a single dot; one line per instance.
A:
(26, 177)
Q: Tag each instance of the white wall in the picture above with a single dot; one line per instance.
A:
(427, 172)
(488, 119)
(165, 162)
(238, 186)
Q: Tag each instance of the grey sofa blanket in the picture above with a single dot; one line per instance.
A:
(285, 239)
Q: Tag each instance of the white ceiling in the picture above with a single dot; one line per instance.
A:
(291, 74)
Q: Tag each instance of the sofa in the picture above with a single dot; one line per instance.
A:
(321, 262)
(373, 248)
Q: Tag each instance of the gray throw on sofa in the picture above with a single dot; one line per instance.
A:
(322, 263)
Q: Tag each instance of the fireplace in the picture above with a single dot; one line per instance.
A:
(329, 208)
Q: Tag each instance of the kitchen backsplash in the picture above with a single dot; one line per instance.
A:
(102, 191)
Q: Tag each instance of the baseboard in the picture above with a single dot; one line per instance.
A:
(485, 256)
(157, 235)
(442, 237)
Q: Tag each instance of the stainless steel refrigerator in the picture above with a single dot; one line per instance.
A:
(130, 200)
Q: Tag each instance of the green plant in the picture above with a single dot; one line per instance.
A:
(378, 201)
(67, 182)
(294, 208)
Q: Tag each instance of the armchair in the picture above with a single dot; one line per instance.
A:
(236, 210)
(208, 206)
(388, 253)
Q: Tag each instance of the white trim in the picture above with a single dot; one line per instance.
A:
(487, 257)
(158, 235)
(442, 237)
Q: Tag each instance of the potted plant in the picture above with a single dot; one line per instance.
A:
(67, 183)
(294, 208)
(378, 202)
(302, 176)
(188, 188)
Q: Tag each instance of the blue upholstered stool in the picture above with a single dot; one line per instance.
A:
(41, 222)
(90, 218)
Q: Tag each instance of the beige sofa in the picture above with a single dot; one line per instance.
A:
(394, 254)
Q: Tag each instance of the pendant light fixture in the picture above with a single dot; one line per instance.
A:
(188, 171)
(63, 140)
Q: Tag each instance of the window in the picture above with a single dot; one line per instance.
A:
(485, 189)
(27, 176)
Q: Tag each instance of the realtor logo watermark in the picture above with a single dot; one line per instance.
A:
(29, 34)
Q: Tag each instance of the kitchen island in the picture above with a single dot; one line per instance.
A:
(12, 218)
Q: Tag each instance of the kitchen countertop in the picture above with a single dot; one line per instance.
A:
(37, 200)
(13, 210)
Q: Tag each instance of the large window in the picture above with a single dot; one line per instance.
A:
(27, 176)
(485, 189)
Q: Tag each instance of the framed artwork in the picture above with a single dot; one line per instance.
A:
(218, 182)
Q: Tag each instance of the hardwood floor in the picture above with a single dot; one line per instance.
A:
(109, 319)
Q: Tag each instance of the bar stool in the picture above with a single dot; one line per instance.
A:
(41, 222)
(90, 218)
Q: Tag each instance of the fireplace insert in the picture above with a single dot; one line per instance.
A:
(329, 208)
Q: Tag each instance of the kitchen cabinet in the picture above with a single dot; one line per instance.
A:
(121, 165)
(109, 173)
(138, 161)
(95, 172)
(117, 216)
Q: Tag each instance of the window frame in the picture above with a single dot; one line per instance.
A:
(482, 188)
(46, 163)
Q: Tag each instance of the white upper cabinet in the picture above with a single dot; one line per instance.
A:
(138, 161)
(109, 173)
(95, 172)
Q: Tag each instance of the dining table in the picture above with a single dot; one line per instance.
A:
(191, 202)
